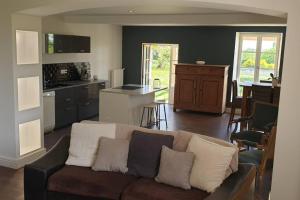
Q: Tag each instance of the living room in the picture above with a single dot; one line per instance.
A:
(206, 32)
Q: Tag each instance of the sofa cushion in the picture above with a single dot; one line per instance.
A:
(144, 153)
(86, 182)
(233, 167)
(85, 140)
(210, 165)
(175, 168)
(112, 155)
(148, 189)
(124, 131)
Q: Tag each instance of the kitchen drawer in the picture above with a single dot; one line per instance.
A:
(65, 116)
(65, 97)
(199, 70)
(88, 109)
(87, 92)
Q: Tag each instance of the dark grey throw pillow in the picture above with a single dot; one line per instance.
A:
(144, 153)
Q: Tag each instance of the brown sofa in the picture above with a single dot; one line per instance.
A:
(50, 179)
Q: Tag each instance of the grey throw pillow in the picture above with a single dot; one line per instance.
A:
(112, 155)
(175, 168)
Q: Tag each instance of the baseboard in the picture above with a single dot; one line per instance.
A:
(23, 160)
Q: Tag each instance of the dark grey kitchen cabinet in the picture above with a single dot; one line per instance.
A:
(88, 101)
(57, 43)
(65, 107)
(77, 103)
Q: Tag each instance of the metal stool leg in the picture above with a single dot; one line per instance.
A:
(151, 115)
(165, 116)
(141, 124)
(158, 116)
(148, 118)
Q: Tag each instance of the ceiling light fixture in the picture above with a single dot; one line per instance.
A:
(131, 11)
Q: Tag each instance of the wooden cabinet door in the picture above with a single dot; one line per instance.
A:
(185, 93)
(210, 93)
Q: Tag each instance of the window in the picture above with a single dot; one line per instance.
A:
(258, 55)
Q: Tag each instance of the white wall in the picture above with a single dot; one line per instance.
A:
(7, 137)
(106, 45)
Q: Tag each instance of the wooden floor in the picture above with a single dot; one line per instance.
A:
(11, 181)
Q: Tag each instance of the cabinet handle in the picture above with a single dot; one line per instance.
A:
(59, 51)
(68, 109)
(87, 103)
(82, 50)
(86, 87)
(68, 99)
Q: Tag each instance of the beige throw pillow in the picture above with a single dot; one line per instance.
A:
(85, 140)
(175, 168)
(112, 155)
(210, 165)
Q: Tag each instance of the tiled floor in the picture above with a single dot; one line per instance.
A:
(11, 181)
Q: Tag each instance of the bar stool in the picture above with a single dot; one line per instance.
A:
(150, 109)
(159, 119)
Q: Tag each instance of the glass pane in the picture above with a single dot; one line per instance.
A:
(160, 68)
(269, 44)
(249, 44)
(247, 67)
(267, 65)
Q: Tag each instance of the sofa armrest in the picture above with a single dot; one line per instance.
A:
(237, 185)
(37, 173)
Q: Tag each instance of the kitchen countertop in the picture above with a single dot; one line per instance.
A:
(70, 84)
(146, 89)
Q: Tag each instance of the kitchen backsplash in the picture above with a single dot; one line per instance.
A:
(60, 72)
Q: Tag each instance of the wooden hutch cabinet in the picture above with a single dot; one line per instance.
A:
(201, 87)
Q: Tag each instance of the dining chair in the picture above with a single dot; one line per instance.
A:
(276, 95)
(258, 124)
(236, 102)
(261, 154)
(262, 93)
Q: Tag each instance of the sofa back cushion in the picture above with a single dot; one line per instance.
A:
(210, 165)
(180, 143)
(233, 167)
(144, 153)
(84, 142)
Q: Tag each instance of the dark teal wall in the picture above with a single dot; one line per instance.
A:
(215, 45)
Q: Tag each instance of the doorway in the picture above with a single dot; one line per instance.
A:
(158, 65)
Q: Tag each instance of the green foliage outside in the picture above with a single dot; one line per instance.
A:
(267, 60)
(161, 68)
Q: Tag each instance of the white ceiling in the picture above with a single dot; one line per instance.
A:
(149, 10)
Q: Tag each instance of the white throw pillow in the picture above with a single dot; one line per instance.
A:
(85, 140)
(210, 164)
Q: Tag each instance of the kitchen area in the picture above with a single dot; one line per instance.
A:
(70, 94)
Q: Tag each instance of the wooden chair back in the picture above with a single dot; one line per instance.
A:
(276, 95)
(263, 114)
(262, 93)
(234, 86)
(268, 151)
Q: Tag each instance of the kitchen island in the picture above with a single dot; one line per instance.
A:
(124, 104)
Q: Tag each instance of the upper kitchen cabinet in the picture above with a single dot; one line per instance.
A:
(56, 43)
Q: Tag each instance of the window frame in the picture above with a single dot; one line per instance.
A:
(258, 52)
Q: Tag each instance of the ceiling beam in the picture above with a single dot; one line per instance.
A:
(188, 20)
